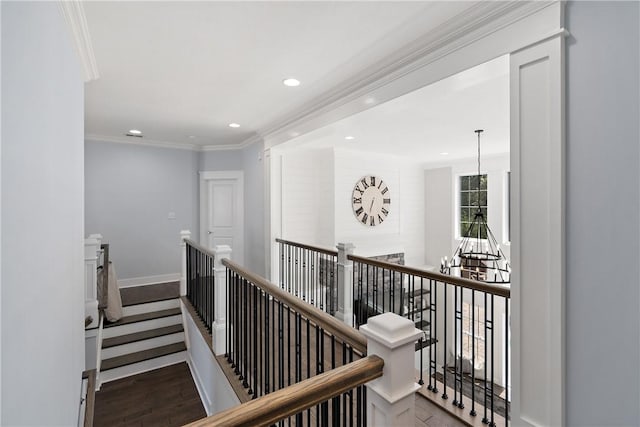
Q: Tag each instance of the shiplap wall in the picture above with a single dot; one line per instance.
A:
(317, 187)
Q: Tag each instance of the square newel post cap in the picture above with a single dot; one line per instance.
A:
(390, 330)
(344, 249)
(392, 337)
(185, 234)
(222, 251)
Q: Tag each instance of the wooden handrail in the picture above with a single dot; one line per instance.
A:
(492, 289)
(327, 322)
(311, 248)
(200, 248)
(90, 375)
(281, 404)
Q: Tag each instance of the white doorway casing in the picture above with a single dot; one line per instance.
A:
(532, 33)
(222, 211)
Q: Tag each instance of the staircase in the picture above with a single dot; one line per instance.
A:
(150, 334)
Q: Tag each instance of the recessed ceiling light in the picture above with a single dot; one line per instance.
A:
(444, 153)
(234, 125)
(291, 82)
(192, 136)
(135, 132)
(349, 138)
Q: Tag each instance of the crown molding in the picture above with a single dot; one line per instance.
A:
(141, 141)
(76, 20)
(247, 142)
(475, 23)
(168, 144)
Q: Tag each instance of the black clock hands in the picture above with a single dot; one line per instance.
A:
(371, 207)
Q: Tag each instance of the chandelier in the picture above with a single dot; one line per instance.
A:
(478, 256)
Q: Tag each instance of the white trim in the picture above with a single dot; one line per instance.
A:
(238, 175)
(146, 142)
(140, 141)
(204, 397)
(148, 280)
(76, 20)
(247, 142)
(473, 24)
(538, 249)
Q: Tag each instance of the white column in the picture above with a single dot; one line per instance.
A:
(219, 327)
(391, 398)
(345, 283)
(91, 251)
(184, 234)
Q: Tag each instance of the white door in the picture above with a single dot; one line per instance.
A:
(221, 211)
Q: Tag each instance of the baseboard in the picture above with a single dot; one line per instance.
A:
(148, 280)
(204, 397)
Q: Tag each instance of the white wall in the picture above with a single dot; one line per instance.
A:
(215, 391)
(307, 197)
(442, 203)
(254, 212)
(317, 187)
(403, 229)
(42, 218)
(130, 191)
(603, 178)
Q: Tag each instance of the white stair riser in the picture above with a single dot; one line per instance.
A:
(131, 328)
(141, 345)
(136, 346)
(150, 307)
(140, 367)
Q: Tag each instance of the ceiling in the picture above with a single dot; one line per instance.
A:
(433, 124)
(182, 71)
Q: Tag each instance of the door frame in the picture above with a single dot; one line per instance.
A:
(205, 178)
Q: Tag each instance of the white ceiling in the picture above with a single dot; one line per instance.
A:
(439, 118)
(180, 69)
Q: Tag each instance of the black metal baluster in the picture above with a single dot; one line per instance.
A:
(280, 346)
(485, 419)
(492, 395)
(308, 364)
(444, 366)
(433, 337)
(335, 402)
(267, 352)
(473, 412)
(456, 326)
(507, 401)
(236, 326)
(255, 341)
(422, 326)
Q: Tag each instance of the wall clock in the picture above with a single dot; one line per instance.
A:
(371, 200)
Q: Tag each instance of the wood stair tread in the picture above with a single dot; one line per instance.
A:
(143, 335)
(144, 316)
(425, 343)
(149, 293)
(141, 356)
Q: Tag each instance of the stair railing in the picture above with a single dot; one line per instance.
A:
(310, 273)
(200, 281)
(463, 355)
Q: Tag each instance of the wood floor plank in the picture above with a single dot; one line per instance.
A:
(149, 293)
(163, 397)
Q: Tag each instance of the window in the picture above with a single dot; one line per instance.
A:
(473, 337)
(469, 196)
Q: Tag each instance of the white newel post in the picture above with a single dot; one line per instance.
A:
(219, 327)
(184, 234)
(390, 398)
(345, 283)
(91, 253)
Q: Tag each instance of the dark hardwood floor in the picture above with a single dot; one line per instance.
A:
(164, 397)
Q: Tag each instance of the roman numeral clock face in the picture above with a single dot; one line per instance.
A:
(371, 201)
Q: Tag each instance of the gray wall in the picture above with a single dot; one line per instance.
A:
(602, 214)
(254, 214)
(130, 190)
(42, 221)
(223, 160)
